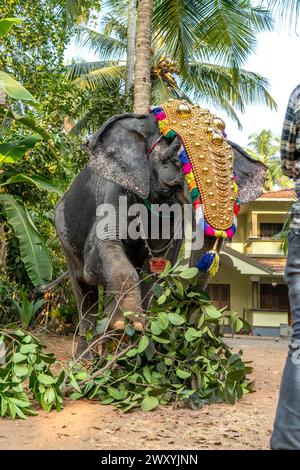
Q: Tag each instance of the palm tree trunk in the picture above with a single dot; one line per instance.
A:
(131, 33)
(143, 57)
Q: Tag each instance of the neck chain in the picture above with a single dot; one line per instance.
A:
(152, 251)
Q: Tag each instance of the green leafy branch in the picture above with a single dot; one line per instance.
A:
(180, 357)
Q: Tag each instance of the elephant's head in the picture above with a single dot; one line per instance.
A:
(130, 150)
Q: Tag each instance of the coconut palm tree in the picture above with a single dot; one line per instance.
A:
(266, 148)
(130, 49)
(198, 48)
(287, 11)
(142, 83)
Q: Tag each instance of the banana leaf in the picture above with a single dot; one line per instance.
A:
(6, 24)
(38, 181)
(11, 152)
(14, 89)
(34, 253)
(27, 122)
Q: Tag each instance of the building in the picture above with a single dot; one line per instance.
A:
(250, 279)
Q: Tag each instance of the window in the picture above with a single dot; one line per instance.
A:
(267, 229)
(219, 294)
(274, 297)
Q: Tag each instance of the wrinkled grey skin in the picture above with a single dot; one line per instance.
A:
(119, 166)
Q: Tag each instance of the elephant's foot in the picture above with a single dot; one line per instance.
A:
(138, 324)
(118, 322)
(117, 325)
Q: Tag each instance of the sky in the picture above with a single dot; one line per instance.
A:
(277, 58)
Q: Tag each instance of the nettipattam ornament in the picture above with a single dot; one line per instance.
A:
(207, 163)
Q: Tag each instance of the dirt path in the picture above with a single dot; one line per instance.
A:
(88, 425)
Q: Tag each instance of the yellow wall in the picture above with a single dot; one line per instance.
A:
(241, 285)
(240, 288)
(240, 235)
(263, 247)
(269, 318)
(276, 212)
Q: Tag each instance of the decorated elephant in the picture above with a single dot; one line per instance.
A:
(178, 154)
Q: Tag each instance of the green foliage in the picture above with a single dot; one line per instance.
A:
(34, 253)
(26, 309)
(6, 24)
(180, 357)
(8, 293)
(265, 147)
(23, 362)
(14, 89)
(198, 51)
(13, 151)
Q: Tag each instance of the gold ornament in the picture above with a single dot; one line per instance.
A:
(211, 160)
(217, 138)
(183, 109)
(219, 124)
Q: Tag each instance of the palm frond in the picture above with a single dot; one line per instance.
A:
(215, 83)
(265, 147)
(82, 68)
(261, 18)
(230, 27)
(116, 24)
(109, 76)
(287, 11)
(174, 23)
(207, 84)
(104, 46)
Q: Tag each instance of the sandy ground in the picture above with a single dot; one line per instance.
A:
(89, 425)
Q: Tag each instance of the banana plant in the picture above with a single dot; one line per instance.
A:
(34, 253)
(10, 86)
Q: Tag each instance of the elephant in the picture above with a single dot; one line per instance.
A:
(128, 157)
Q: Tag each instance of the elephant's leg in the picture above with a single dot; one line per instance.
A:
(87, 306)
(112, 268)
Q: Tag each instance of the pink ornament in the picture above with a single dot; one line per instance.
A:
(161, 116)
(187, 168)
(209, 231)
(236, 209)
(229, 233)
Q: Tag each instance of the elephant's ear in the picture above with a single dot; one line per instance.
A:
(118, 152)
(251, 174)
